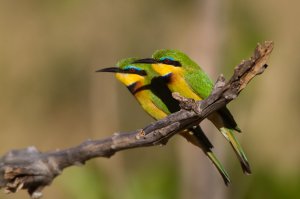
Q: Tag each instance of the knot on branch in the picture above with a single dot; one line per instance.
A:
(26, 169)
(220, 83)
(187, 103)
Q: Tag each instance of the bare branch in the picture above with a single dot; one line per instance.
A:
(33, 170)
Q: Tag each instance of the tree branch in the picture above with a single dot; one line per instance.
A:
(33, 170)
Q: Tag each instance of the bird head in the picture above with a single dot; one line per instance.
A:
(166, 62)
(135, 76)
(126, 72)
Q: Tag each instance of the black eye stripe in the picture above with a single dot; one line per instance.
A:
(142, 73)
(134, 71)
(170, 62)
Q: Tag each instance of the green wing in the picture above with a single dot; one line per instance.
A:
(199, 82)
(159, 104)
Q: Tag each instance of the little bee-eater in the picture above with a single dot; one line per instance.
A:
(156, 99)
(185, 76)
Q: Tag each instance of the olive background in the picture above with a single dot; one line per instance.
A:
(52, 98)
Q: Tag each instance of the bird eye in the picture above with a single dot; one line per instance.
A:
(131, 70)
(134, 70)
(169, 61)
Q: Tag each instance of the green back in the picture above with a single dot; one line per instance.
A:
(196, 78)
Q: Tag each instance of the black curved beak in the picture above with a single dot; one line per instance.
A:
(110, 70)
(146, 61)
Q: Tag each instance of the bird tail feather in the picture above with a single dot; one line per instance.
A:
(237, 149)
(197, 137)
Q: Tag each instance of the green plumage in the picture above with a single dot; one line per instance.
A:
(146, 88)
(198, 80)
(155, 97)
(187, 78)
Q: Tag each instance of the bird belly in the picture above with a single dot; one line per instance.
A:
(149, 106)
(178, 84)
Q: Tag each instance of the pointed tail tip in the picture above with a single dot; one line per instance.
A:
(237, 129)
(227, 181)
(225, 177)
(246, 168)
(247, 173)
(219, 167)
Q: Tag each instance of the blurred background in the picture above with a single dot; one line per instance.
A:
(52, 98)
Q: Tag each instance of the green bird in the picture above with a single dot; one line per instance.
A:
(185, 76)
(156, 99)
